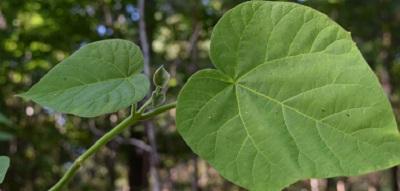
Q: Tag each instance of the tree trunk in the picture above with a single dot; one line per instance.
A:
(137, 166)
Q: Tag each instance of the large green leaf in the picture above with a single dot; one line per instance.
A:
(291, 98)
(4, 164)
(101, 77)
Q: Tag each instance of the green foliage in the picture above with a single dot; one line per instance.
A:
(5, 136)
(4, 120)
(41, 33)
(100, 78)
(4, 164)
(291, 98)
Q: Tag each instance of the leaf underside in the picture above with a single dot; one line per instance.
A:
(101, 77)
(291, 98)
(4, 164)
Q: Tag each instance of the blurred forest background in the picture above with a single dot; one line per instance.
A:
(35, 35)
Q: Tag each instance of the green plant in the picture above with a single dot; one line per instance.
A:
(291, 98)
(4, 161)
(4, 164)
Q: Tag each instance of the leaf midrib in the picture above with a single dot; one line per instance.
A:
(84, 85)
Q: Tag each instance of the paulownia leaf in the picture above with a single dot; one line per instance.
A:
(4, 164)
(101, 77)
(291, 98)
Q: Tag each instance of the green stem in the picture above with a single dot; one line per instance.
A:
(133, 109)
(131, 120)
(144, 106)
(157, 111)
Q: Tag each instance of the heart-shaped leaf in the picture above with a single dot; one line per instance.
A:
(4, 164)
(101, 77)
(291, 98)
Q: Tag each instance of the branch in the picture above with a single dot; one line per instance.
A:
(135, 142)
(143, 38)
(154, 179)
(121, 140)
(194, 38)
(3, 23)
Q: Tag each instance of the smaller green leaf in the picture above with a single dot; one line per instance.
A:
(101, 77)
(161, 77)
(4, 164)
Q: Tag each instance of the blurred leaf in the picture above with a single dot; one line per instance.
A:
(101, 77)
(4, 164)
(4, 120)
(291, 98)
(5, 136)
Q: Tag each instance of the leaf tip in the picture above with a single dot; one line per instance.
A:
(23, 95)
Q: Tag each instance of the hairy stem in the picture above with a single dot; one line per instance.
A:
(131, 120)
